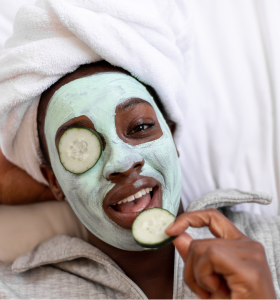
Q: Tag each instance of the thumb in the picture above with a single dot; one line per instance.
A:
(182, 243)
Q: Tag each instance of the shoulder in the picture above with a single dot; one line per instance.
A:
(258, 227)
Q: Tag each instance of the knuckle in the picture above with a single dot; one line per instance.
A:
(213, 251)
(196, 247)
(259, 251)
(259, 247)
(214, 211)
(194, 244)
(216, 215)
(258, 257)
(255, 277)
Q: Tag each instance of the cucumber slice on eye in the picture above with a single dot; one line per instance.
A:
(79, 149)
(148, 229)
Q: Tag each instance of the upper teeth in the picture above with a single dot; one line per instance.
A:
(135, 196)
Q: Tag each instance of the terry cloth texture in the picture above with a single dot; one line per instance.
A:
(150, 38)
(65, 267)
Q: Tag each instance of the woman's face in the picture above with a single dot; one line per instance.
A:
(138, 154)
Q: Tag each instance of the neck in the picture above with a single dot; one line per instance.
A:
(151, 270)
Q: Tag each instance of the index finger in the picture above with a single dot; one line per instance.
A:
(218, 224)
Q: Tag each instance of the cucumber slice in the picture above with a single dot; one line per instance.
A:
(79, 149)
(148, 229)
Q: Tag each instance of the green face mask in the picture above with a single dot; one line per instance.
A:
(97, 97)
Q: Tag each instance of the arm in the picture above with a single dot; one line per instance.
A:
(230, 266)
(17, 187)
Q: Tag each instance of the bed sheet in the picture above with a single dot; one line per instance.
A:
(231, 137)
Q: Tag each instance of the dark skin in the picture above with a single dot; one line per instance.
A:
(231, 266)
(27, 189)
(145, 268)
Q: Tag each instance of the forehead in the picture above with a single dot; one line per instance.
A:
(95, 96)
(100, 89)
(83, 71)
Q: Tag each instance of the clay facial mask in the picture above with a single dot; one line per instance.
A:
(97, 97)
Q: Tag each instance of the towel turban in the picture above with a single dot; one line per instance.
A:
(149, 38)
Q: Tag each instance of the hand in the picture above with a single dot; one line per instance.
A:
(230, 266)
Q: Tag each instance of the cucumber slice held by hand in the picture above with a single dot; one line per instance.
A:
(148, 229)
(79, 149)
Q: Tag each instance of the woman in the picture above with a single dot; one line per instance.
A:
(137, 153)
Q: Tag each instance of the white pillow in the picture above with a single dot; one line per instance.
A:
(23, 227)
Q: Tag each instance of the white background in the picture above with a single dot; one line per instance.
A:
(231, 135)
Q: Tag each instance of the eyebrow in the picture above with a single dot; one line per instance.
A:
(122, 107)
(132, 102)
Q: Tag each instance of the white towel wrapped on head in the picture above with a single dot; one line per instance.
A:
(149, 38)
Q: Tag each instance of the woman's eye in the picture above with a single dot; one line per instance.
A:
(142, 127)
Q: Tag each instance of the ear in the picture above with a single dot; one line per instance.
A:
(172, 127)
(53, 183)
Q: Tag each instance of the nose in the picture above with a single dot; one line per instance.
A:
(135, 168)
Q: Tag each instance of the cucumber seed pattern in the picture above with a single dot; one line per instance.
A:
(78, 150)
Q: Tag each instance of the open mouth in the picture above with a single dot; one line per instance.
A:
(135, 203)
(126, 210)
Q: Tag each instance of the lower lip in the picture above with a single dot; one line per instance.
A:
(125, 219)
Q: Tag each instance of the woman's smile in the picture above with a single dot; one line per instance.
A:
(123, 204)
